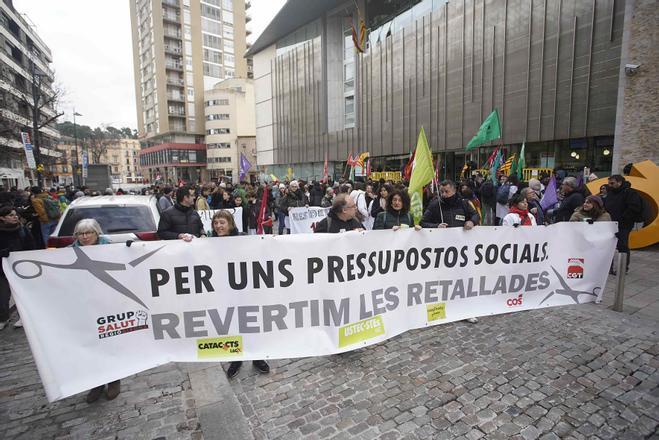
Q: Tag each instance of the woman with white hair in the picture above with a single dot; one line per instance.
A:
(88, 233)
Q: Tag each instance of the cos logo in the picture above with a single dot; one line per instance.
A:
(515, 301)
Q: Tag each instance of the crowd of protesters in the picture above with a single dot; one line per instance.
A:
(29, 216)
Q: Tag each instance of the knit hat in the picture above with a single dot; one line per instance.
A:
(535, 184)
(595, 200)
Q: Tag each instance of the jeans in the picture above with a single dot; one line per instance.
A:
(281, 219)
(46, 230)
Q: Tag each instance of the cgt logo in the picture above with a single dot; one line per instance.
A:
(575, 268)
(512, 302)
(120, 323)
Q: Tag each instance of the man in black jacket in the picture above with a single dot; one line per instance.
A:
(181, 221)
(573, 199)
(450, 210)
(341, 217)
(625, 206)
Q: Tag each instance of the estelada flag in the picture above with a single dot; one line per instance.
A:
(359, 40)
(362, 158)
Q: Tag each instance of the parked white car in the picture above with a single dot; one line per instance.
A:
(122, 218)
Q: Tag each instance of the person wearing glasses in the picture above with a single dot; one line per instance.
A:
(13, 237)
(88, 233)
(342, 217)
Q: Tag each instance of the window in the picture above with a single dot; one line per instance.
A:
(217, 102)
(212, 70)
(349, 102)
(112, 219)
(213, 56)
(228, 31)
(218, 131)
(227, 4)
(348, 79)
(212, 27)
(229, 73)
(212, 41)
(228, 46)
(213, 2)
(227, 17)
(218, 117)
(229, 60)
(219, 159)
(210, 12)
(219, 145)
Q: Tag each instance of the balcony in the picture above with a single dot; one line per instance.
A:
(178, 112)
(174, 66)
(248, 18)
(173, 34)
(248, 5)
(175, 97)
(176, 50)
(175, 81)
(248, 32)
(172, 18)
(173, 3)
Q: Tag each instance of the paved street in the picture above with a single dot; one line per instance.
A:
(573, 372)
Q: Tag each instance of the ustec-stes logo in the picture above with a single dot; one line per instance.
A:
(575, 267)
(120, 323)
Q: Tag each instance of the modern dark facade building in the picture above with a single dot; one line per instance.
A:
(550, 67)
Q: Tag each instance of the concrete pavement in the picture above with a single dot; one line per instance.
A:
(571, 372)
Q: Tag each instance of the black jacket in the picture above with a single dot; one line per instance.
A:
(376, 208)
(390, 218)
(453, 211)
(14, 238)
(316, 195)
(179, 220)
(336, 224)
(571, 202)
(624, 205)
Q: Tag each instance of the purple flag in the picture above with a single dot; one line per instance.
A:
(244, 166)
(550, 198)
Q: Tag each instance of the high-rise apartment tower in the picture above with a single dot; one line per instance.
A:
(180, 49)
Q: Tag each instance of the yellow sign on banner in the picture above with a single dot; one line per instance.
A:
(360, 331)
(436, 311)
(226, 346)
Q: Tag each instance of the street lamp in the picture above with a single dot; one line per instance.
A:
(76, 180)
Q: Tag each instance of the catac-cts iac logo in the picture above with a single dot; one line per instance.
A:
(220, 347)
(120, 323)
(575, 267)
(512, 302)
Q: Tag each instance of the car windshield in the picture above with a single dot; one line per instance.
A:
(113, 219)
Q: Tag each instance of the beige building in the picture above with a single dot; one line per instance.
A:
(180, 49)
(230, 128)
(121, 155)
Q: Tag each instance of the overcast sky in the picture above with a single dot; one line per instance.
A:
(93, 55)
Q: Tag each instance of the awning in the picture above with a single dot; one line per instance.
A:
(11, 173)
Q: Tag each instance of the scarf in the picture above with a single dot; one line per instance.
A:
(523, 215)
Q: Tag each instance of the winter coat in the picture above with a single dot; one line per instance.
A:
(540, 215)
(336, 224)
(179, 220)
(579, 215)
(14, 238)
(390, 218)
(376, 207)
(252, 213)
(40, 209)
(295, 199)
(512, 219)
(454, 211)
(624, 205)
(164, 203)
(571, 202)
(316, 195)
(327, 202)
(202, 204)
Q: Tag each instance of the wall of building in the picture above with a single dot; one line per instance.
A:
(550, 67)
(264, 102)
(638, 97)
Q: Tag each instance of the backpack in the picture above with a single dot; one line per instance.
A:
(487, 190)
(502, 193)
(52, 208)
(645, 214)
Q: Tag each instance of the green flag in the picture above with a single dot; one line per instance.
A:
(521, 163)
(490, 130)
(422, 175)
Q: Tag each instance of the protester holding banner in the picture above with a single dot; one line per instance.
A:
(592, 209)
(518, 212)
(295, 197)
(379, 204)
(397, 215)
(13, 237)
(328, 199)
(181, 221)
(342, 217)
(88, 233)
(450, 210)
(224, 225)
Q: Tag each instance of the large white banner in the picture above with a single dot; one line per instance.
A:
(304, 220)
(265, 297)
(207, 218)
